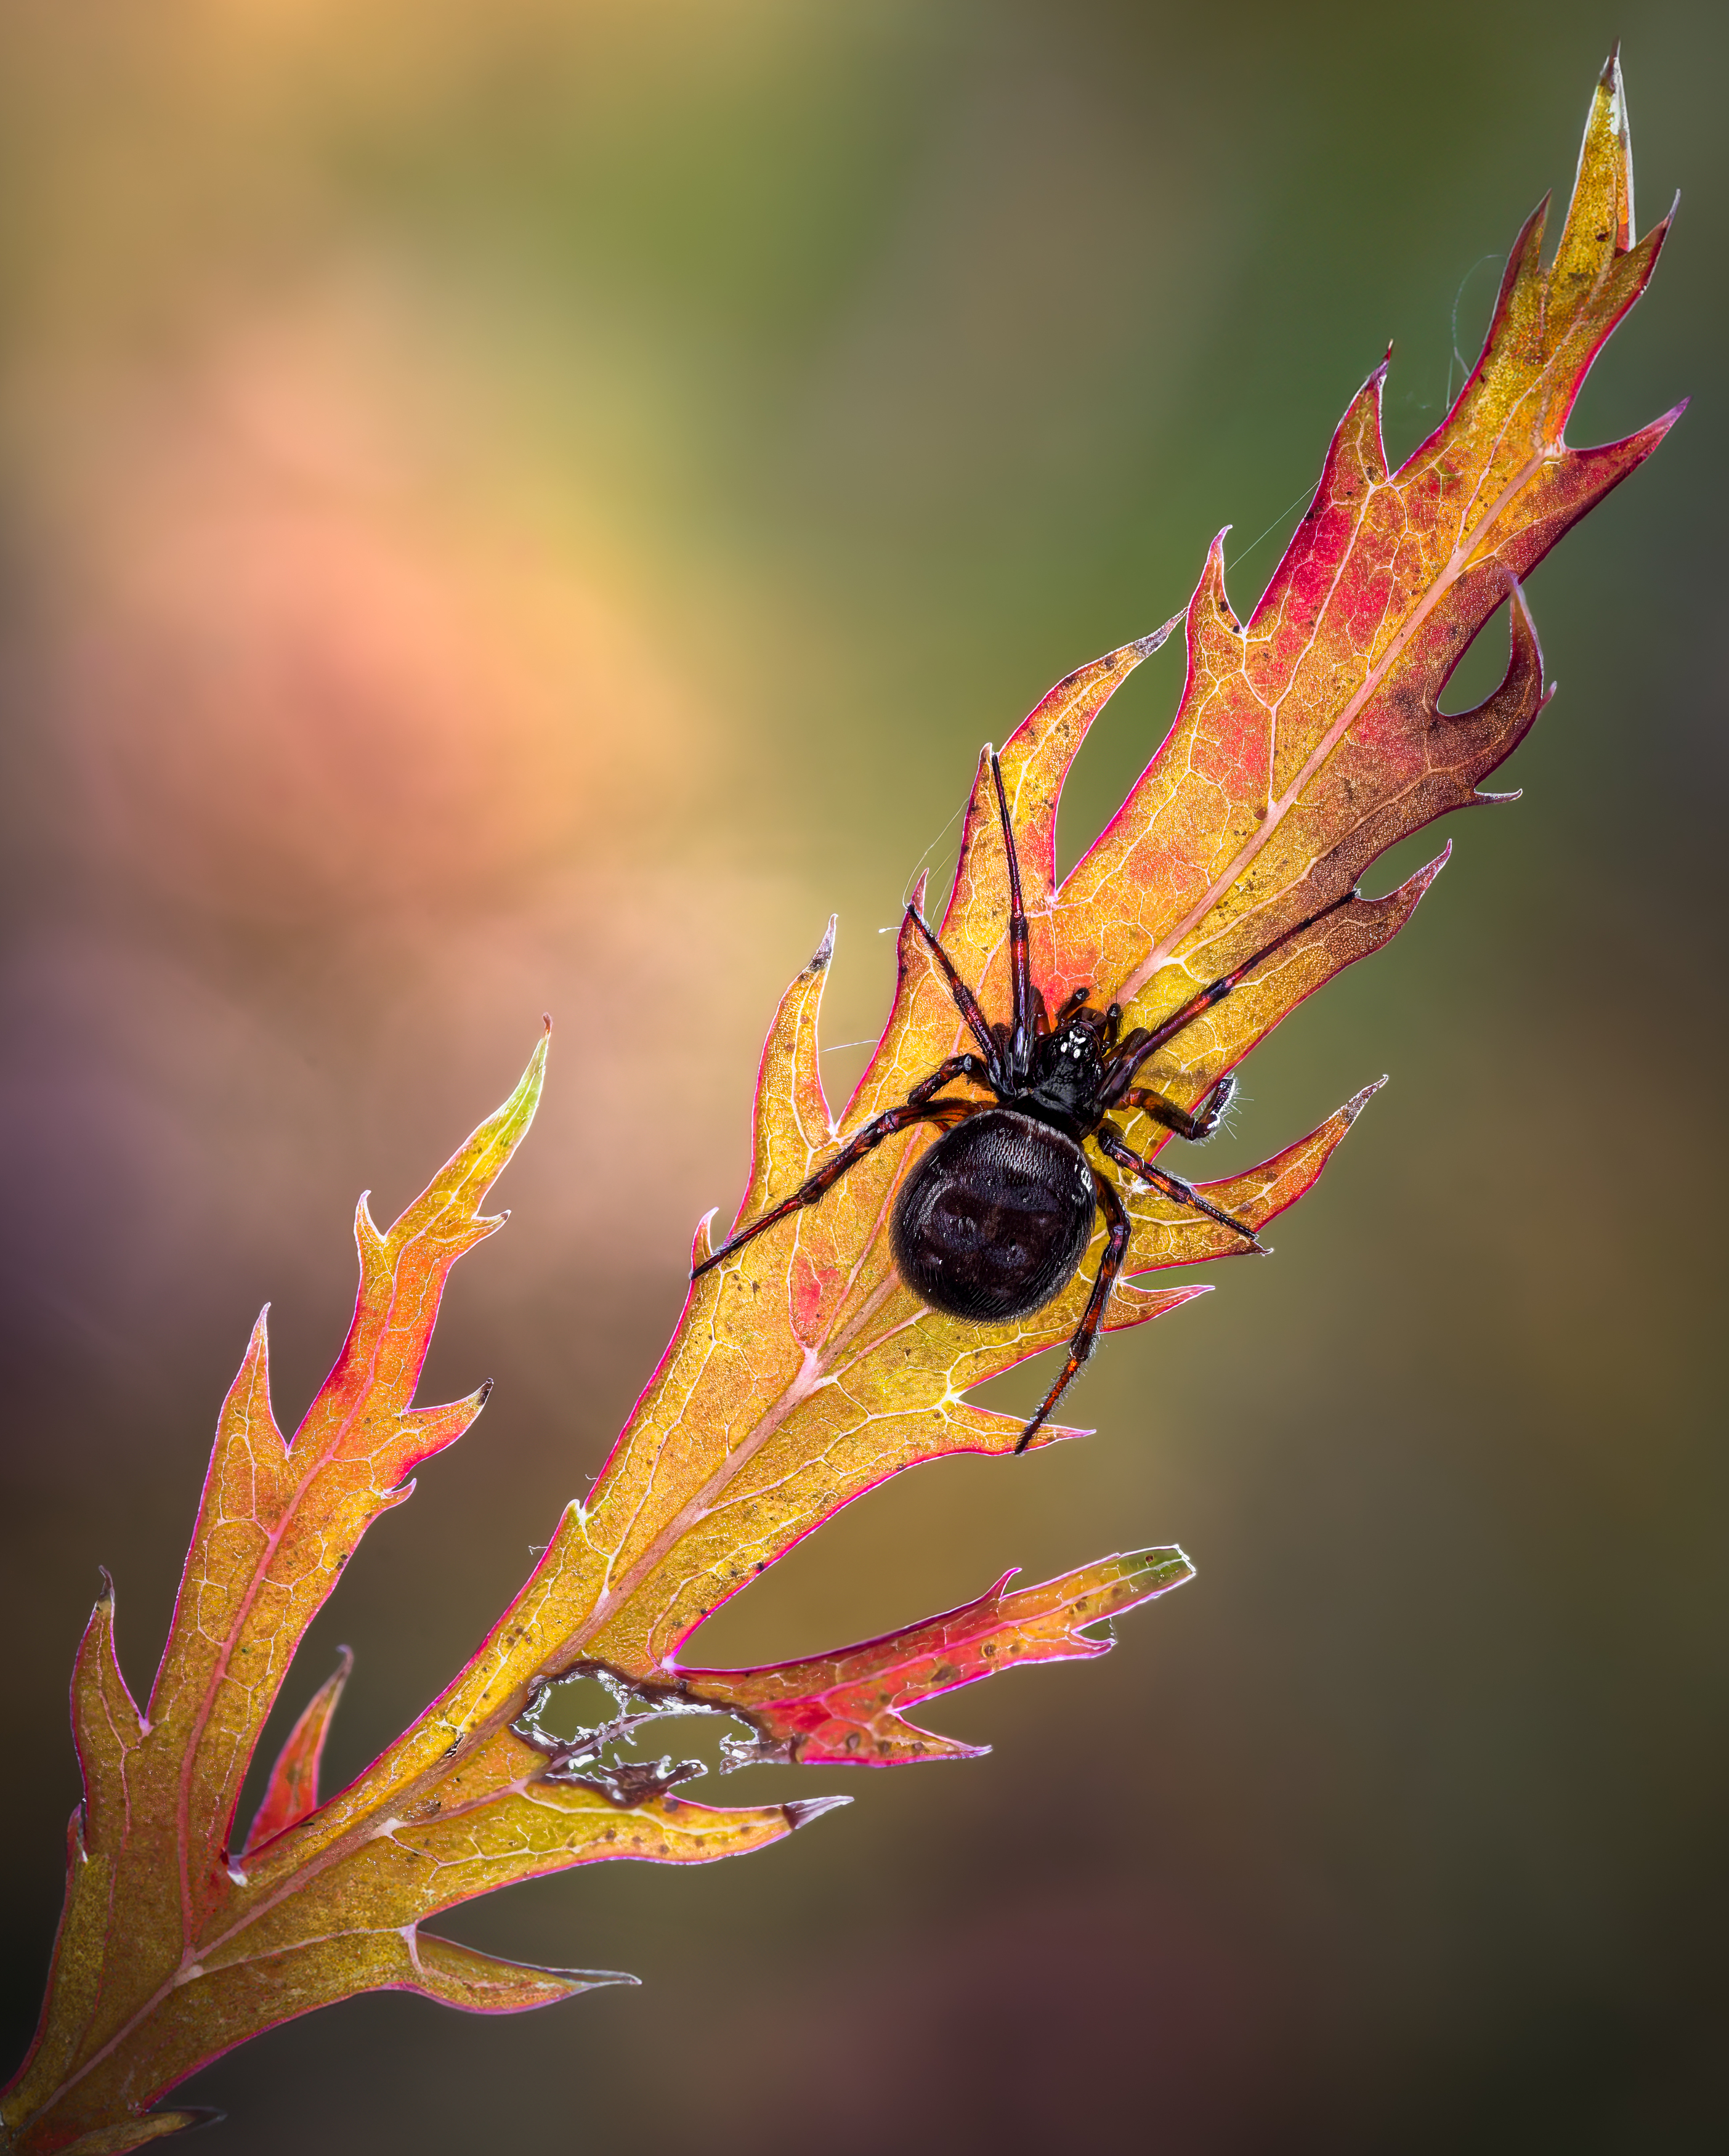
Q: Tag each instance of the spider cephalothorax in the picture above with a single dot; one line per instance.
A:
(993, 1220)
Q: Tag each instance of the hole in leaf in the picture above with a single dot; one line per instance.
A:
(567, 1710)
(597, 1728)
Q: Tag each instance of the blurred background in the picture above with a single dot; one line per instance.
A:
(528, 505)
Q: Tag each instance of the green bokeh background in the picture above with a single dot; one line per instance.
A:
(529, 505)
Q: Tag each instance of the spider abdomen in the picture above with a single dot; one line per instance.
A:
(995, 1218)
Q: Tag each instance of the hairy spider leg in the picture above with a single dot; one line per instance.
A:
(1109, 1141)
(1196, 1127)
(1086, 1335)
(1143, 1043)
(916, 1108)
(967, 1005)
(1020, 961)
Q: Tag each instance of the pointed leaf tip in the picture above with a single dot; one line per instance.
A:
(1427, 874)
(801, 1810)
(825, 950)
(1049, 1433)
(292, 1791)
(581, 1980)
(1145, 646)
(1358, 1101)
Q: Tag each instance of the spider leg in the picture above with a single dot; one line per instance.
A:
(957, 1066)
(1020, 964)
(1041, 1015)
(916, 1108)
(1109, 1141)
(1196, 1127)
(1141, 1044)
(964, 1002)
(1116, 1246)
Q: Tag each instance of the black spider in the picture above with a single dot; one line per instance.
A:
(992, 1222)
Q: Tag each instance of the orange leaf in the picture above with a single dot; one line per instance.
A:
(293, 1787)
(803, 1370)
(848, 1708)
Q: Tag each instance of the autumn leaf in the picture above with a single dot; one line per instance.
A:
(849, 1708)
(803, 1372)
(293, 1787)
(173, 1946)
